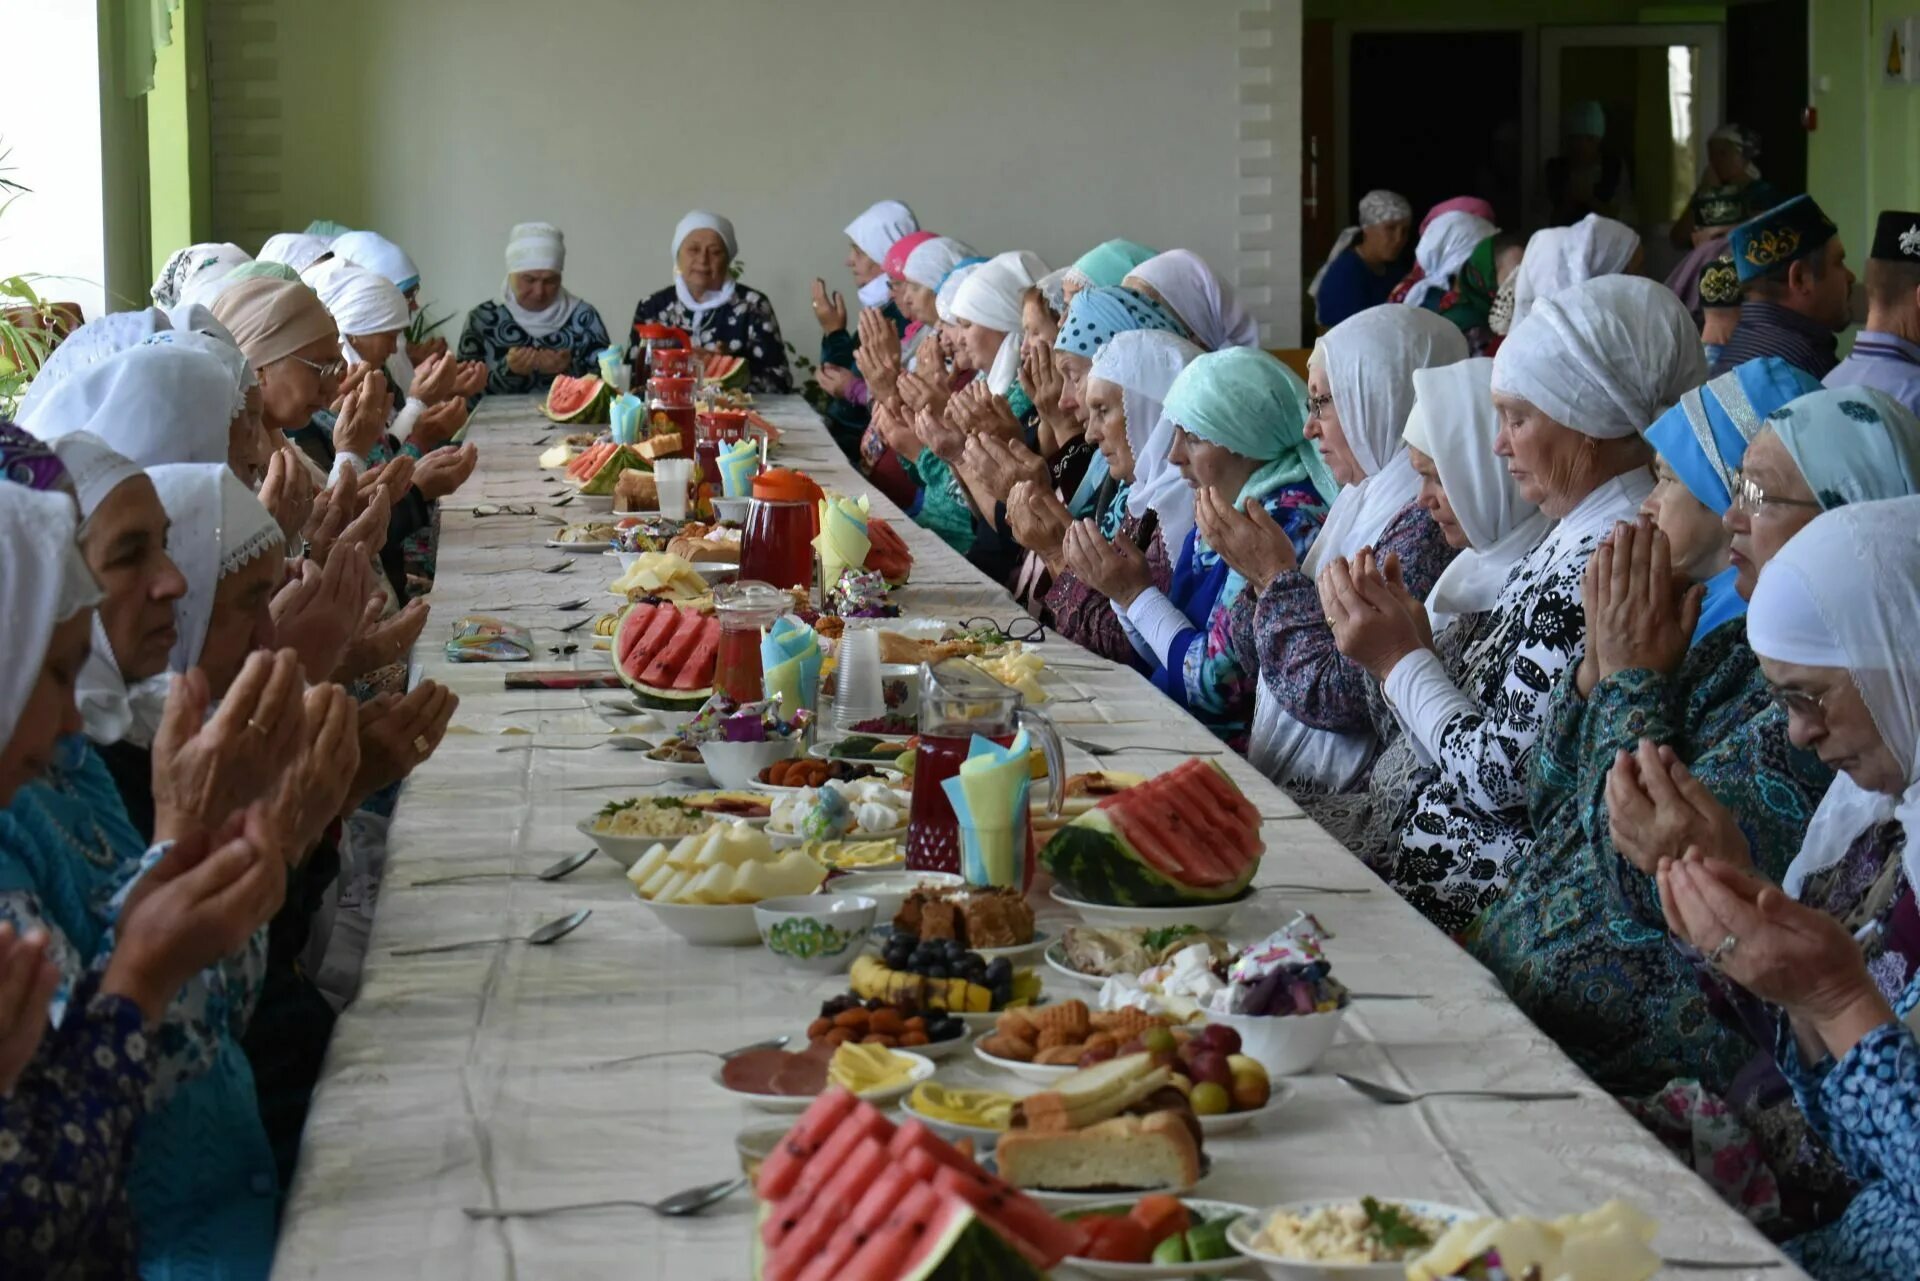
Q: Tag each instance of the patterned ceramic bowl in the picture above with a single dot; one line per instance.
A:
(820, 933)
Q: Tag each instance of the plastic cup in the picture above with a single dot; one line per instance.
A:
(858, 695)
(671, 477)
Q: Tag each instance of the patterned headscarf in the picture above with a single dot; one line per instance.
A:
(27, 460)
(1096, 315)
(196, 265)
(1852, 444)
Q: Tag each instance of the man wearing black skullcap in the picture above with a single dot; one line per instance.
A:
(1886, 354)
(1719, 288)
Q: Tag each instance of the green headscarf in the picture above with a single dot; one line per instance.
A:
(1244, 400)
(270, 270)
(1107, 264)
(1853, 444)
(1474, 288)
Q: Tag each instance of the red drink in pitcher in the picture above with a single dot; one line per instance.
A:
(782, 521)
(933, 834)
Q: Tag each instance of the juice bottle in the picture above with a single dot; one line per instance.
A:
(745, 610)
(782, 521)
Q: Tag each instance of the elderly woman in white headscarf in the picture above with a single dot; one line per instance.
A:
(1574, 387)
(720, 313)
(1558, 258)
(1181, 281)
(371, 314)
(1311, 728)
(1443, 249)
(296, 249)
(190, 274)
(879, 227)
(535, 330)
(1360, 270)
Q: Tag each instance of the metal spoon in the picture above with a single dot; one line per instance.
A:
(618, 742)
(1314, 889)
(565, 867)
(1384, 1094)
(679, 1205)
(558, 567)
(577, 623)
(1100, 749)
(771, 1043)
(551, 932)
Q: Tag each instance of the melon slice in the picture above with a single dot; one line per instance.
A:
(1185, 837)
(666, 654)
(620, 458)
(724, 371)
(577, 400)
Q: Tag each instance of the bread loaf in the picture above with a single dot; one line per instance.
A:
(1153, 1151)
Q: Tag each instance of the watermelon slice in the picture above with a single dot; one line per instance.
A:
(616, 460)
(666, 654)
(1186, 837)
(577, 400)
(724, 371)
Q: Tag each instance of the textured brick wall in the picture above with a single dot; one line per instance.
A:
(1266, 241)
(244, 111)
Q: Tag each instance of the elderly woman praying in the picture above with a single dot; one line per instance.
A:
(535, 330)
(719, 312)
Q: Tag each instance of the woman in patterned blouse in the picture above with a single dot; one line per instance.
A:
(535, 330)
(719, 312)
(1832, 621)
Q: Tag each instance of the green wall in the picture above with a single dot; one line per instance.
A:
(169, 162)
(1862, 157)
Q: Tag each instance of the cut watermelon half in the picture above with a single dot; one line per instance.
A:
(1184, 838)
(724, 371)
(577, 400)
(666, 654)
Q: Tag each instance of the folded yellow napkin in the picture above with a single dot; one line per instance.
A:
(842, 541)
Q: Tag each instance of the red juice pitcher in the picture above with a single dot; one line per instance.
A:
(670, 411)
(957, 701)
(782, 521)
(746, 609)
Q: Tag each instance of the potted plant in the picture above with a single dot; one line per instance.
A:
(30, 326)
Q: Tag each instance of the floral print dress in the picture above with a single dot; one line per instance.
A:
(491, 332)
(744, 326)
(1083, 615)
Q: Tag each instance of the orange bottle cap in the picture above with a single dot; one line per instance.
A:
(782, 484)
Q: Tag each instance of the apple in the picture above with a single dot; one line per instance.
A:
(1221, 1037)
(1210, 1066)
(1250, 1085)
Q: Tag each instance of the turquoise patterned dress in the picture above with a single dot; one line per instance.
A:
(1577, 939)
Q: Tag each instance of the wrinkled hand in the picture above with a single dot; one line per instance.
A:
(1657, 809)
(1785, 952)
(895, 431)
(437, 425)
(1376, 621)
(835, 380)
(520, 360)
(553, 360)
(830, 309)
(1041, 381)
(1114, 567)
(198, 904)
(1002, 464)
(1039, 520)
(471, 380)
(366, 532)
(396, 734)
(946, 442)
(419, 352)
(382, 642)
(204, 771)
(981, 413)
(363, 416)
(1251, 541)
(445, 470)
(878, 337)
(333, 509)
(28, 980)
(920, 392)
(392, 479)
(349, 382)
(316, 614)
(1643, 614)
(313, 789)
(288, 491)
(433, 378)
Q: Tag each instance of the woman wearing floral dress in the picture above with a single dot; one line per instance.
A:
(535, 330)
(719, 312)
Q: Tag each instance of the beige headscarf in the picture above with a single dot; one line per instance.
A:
(272, 319)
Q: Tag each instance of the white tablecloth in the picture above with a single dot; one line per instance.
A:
(477, 1077)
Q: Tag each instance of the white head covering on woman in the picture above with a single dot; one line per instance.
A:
(703, 220)
(993, 297)
(44, 581)
(1369, 359)
(1845, 592)
(931, 260)
(195, 266)
(155, 403)
(296, 249)
(1444, 248)
(373, 251)
(1453, 422)
(1558, 258)
(97, 340)
(950, 289)
(1375, 207)
(537, 246)
(361, 302)
(1201, 300)
(875, 231)
(1143, 363)
(218, 527)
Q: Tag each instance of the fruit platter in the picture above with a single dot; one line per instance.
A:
(577, 400)
(665, 653)
(1157, 1237)
(899, 1025)
(993, 921)
(942, 976)
(792, 775)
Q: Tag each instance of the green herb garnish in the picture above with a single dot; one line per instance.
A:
(658, 802)
(1154, 940)
(1391, 1224)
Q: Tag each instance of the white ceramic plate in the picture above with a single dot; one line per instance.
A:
(1228, 1122)
(1241, 1233)
(1077, 1200)
(1199, 1208)
(983, 1138)
(692, 771)
(824, 752)
(1015, 955)
(1056, 958)
(749, 820)
(987, 1020)
(1208, 916)
(624, 850)
(715, 570)
(787, 840)
(1038, 1073)
(893, 776)
(592, 502)
(577, 547)
(921, 1070)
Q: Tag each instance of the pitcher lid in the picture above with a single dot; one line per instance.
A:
(783, 484)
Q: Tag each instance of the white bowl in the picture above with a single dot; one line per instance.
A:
(1228, 1122)
(1284, 1044)
(1206, 916)
(983, 1138)
(1200, 1207)
(1060, 1199)
(889, 890)
(708, 925)
(921, 1069)
(1242, 1231)
(712, 571)
(624, 850)
(732, 510)
(821, 933)
(1038, 1073)
(737, 766)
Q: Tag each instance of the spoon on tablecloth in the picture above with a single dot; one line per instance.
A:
(1393, 1097)
(551, 932)
(619, 743)
(677, 1206)
(771, 1043)
(564, 868)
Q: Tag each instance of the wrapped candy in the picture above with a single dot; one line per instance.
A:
(861, 593)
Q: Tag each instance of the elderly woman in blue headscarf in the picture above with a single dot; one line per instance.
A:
(719, 312)
(1105, 266)
(1239, 429)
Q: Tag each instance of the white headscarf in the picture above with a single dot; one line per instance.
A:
(993, 297)
(155, 403)
(94, 467)
(950, 289)
(1454, 423)
(931, 260)
(218, 527)
(703, 220)
(1560, 257)
(537, 246)
(373, 251)
(196, 265)
(1605, 357)
(1444, 248)
(364, 302)
(296, 249)
(1200, 299)
(87, 346)
(229, 357)
(875, 231)
(44, 581)
(1143, 363)
(1845, 592)
(1369, 359)
(1375, 207)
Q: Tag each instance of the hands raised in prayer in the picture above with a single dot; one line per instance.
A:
(1039, 520)
(433, 378)
(520, 359)
(1043, 384)
(471, 379)
(947, 442)
(895, 431)
(396, 734)
(314, 788)
(341, 517)
(361, 413)
(920, 392)
(830, 309)
(206, 770)
(1251, 541)
(981, 413)
(28, 980)
(879, 340)
(445, 470)
(1113, 567)
(392, 478)
(319, 612)
(1640, 613)
(378, 643)
(288, 491)
(1657, 810)
(552, 360)
(1002, 464)
(1376, 621)
(1795, 956)
(835, 380)
(439, 424)
(418, 352)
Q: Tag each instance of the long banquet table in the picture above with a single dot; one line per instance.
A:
(480, 1077)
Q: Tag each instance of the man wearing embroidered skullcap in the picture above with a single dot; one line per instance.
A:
(1718, 288)
(1795, 286)
(1886, 353)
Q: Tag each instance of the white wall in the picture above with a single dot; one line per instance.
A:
(1039, 124)
(52, 126)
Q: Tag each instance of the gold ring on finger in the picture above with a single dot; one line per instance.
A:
(421, 745)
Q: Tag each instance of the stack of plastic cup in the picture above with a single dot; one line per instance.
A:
(858, 696)
(671, 476)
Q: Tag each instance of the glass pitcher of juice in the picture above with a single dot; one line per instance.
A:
(746, 610)
(782, 521)
(670, 410)
(957, 701)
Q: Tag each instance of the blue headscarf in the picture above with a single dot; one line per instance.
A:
(1853, 444)
(1108, 263)
(1093, 317)
(1704, 437)
(1244, 400)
